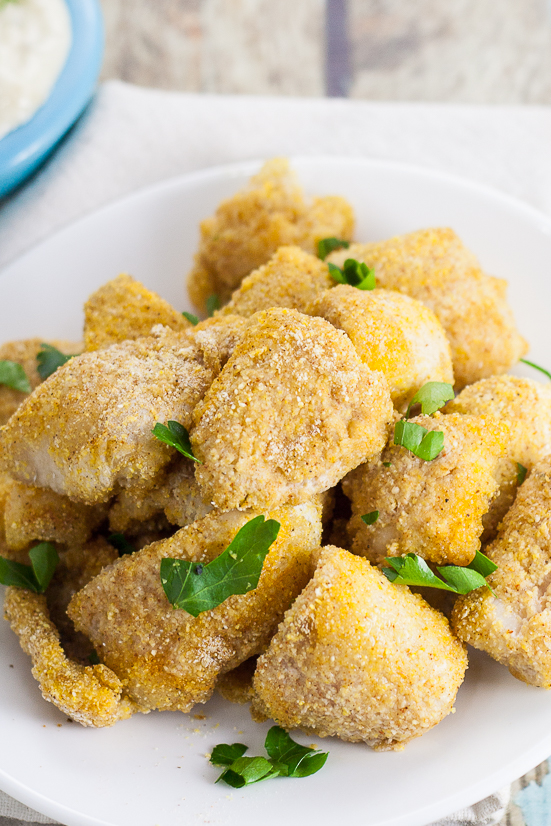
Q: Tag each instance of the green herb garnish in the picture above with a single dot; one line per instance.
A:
(212, 304)
(370, 518)
(36, 576)
(175, 435)
(121, 544)
(197, 588)
(413, 570)
(327, 245)
(190, 317)
(48, 359)
(354, 273)
(93, 658)
(12, 375)
(426, 444)
(537, 367)
(387, 464)
(521, 473)
(286, 759)
(432, 396)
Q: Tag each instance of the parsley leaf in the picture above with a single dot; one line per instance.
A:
(327, 245)
(225, 755)
(370, 518)
(175, 435)
(387, 464)
(190, 317)
(48, 359)
(12, 375)
(521, 473)
(212, 304)
(36, 576)
(197, 588)
(432, 396)
(292, 759)
(537, 367)
(425, 444)
(93, 658)
(247, 770)
(355, 273)
(413, 570)
(121, 544)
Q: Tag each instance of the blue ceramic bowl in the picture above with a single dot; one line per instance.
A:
(24, 149)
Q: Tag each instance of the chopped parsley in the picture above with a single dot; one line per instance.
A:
(354, 273)
(191, 318)
(175, 435)
(13, 375)
(432, 396)
(212, 304)
(36, 576)
(327, 245)
(197, 587)
(49, 358)
(413, 570)
(426, 444)
(521, 473)
(370, 518)
(121, 544)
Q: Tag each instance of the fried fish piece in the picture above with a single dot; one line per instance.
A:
(292, 278)
(236, 685)
(24, 352)
(91, 695)
(430, 508)
(290, 414)
(359, 658)
(124, 309)
(87, 429)
(39, 515)
(392, 333)
(512, 623)
(167, 658)
(5, 486)
(249, 227)
(433, 266)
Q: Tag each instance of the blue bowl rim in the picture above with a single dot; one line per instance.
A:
(22, 149)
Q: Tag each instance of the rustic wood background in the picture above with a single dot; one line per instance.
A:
(460, 51)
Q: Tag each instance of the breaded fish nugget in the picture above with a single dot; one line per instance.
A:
(249, 227)
(38, 514)
(433, 266)
(392, 333)
(87, 429)
(24, 352)
(167, 658)
(91, 695)
(292, 278)
(290, 414)
(435, 508)
(124, 309)
(360, 658)
(513, 624)
(5, 486)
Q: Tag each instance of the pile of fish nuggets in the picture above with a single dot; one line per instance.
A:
(290, 393)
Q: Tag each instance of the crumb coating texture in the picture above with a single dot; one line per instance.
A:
(290, 414)
(433, 266)
(167, 658)
(392, 333)
(248, 228)
(514, 625)
(434, 509)
(359, 658)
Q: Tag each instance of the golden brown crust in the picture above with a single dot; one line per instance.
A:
(434, 509)
(236, 685)
(290, 414)
(167, 658)
(359, 658)
(124, 309)
(249, 227)
(392, 333)
(433, 266)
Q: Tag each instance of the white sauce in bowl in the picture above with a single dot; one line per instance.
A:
(35, 38)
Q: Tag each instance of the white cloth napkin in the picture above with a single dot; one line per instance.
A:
(132, 137)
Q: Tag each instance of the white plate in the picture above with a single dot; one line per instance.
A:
(152, 769)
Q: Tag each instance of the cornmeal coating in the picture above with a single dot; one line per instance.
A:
(236, 685)
(248, 228)
(392, 333)
(5, 486)
(167, 658)
(435, 508)
(24, 352)
(90, 695)
(292, 278)
(433, 266)
(39, 515)
(513, 625)
(87, 429)
(124, 309)
(290, 414)
(360, 658)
